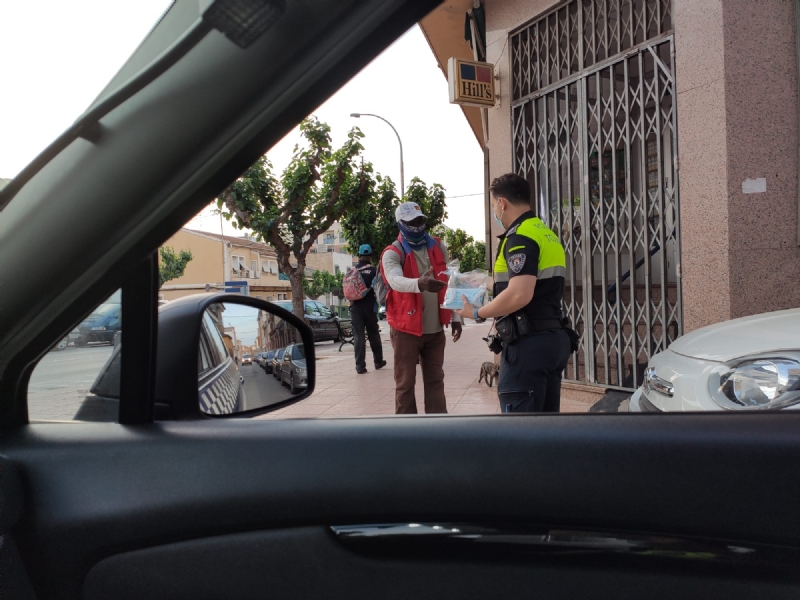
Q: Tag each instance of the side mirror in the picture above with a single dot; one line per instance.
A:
(199, 368)
(226, 388)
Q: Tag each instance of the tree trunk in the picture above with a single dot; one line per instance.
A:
(296, 279)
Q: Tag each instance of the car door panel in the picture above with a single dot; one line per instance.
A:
(308, 562)
(96, 491)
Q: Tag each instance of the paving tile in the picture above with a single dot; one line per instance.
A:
(309, 410)
(346, 410)
(380, 409)
(474, 409)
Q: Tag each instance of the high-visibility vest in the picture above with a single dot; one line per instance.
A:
(552, 262)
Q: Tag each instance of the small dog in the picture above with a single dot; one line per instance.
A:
(490, 372)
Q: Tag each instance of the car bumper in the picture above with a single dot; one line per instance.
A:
(98, 337)
(640, 403)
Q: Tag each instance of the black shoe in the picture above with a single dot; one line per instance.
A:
(361, 371)
(380, 365)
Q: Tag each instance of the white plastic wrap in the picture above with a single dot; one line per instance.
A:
(471, 284)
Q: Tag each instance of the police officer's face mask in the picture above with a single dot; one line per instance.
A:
(497, 219)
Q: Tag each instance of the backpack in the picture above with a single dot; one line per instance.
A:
(353, 284)
(379, 284)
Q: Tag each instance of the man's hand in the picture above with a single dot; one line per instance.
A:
(428, 283)
(456, 326)
(468, 309)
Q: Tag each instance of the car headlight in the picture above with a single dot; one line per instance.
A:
(756, 382)
(300, 371)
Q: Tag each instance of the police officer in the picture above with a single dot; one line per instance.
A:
(529, 287)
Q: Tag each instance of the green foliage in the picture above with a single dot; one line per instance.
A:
(373, 222)
(321, 283)
(172, 265)
(463, 246)
(289, 212)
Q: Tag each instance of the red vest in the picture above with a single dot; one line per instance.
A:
(404, 310)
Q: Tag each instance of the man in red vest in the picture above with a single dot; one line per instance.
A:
(414, 267)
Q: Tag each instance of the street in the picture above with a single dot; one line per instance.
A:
(260, 388)
(61, 381)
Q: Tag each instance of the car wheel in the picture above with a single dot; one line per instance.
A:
(62, 344)
(282, 381)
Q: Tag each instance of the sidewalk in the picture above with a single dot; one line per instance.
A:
(341, 392)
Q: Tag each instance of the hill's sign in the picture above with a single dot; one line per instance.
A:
(471, 83)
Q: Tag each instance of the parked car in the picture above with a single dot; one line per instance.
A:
(267, 364)
(247, 359)
(294, 371)
(382, 313)
(101, 326)
(67, 340)
(746, 364)
(317, 316)
(277, 358)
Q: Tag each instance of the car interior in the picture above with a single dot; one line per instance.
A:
(200, 506)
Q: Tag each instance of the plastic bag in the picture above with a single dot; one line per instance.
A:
(471, 284)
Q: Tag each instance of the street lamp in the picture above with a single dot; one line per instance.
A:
(402, 174)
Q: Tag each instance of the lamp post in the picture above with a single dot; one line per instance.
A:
(402, 174)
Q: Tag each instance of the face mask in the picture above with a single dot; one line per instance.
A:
(413, 229)
(498, 220)
(414, 235)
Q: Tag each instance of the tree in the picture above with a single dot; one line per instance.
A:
(374, 223)
(319, 186)
(172, 265)
(463, 247)
(322, 282)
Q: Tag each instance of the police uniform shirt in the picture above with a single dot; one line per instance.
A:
(521, 255)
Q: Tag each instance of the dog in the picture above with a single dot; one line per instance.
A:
(490, 372)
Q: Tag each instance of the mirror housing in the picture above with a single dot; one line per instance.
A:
(176, 388)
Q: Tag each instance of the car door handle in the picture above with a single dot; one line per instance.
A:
(468, 539)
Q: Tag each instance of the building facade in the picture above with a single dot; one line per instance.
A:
(219, 259)
(660, 139)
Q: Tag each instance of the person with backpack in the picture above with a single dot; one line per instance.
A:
(363, 310)
(413, 270)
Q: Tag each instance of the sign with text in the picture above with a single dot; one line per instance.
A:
(470, 83)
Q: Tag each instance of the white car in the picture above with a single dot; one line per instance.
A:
(247, 359)
(752, 363)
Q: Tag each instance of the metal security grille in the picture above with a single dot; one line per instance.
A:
(594, 132)
(579, 35)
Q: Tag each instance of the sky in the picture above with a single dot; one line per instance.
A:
(244, 319)
(80, 45)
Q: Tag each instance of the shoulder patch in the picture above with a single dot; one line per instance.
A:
(516, 262)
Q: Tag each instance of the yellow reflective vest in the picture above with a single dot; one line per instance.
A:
(552, 262)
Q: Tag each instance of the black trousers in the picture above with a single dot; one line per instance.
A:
(530, 372)
(365, 320)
